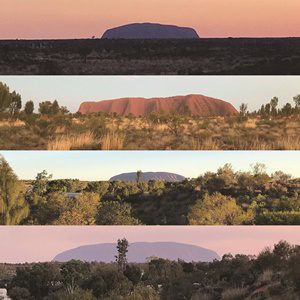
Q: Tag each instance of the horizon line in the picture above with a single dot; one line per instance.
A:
(118, 39)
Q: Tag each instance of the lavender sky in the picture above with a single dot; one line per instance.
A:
(42, 243)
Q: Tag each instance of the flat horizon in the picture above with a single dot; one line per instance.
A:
(99, 38)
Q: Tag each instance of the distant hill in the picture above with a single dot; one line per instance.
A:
(150, 31)
(163, 176)
(139, 252)
(196, 104)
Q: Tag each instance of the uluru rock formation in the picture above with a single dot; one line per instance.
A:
(161, 176)
(150, 31)
(139, 252)
(197, 105)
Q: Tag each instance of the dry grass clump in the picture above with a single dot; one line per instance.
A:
(205, 144)
(9, 123)
(72, 142)
(288, 143)
(112, 141)
(201, 296)
(234, 294)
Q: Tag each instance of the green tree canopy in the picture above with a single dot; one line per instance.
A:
(81, 210)
(115, 213)
(121, 258)
(13, 206)
(29, 108)
(9, 101)
(216, 209)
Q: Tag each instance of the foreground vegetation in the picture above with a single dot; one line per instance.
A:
(237, 56)
(54, 128)
(272, 275)
(226, 197)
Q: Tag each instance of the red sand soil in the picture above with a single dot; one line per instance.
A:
(198, 105)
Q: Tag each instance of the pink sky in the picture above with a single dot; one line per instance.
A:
(42, 243)
(85, 18)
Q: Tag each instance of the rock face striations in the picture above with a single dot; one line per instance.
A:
(139, 252)
(198, 105)
(161, 176)
(150, 31)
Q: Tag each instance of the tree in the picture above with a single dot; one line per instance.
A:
(13, 206)
(46, 210)
(40, 279)
(41, 182)
(262, 111)
(281, 176)
(268, 109)
(29, 108)
(217, 209)
(5, 97)
(260, 176)
(121, 258)
(274, 103)
(297, 101)
(226, 174)
(293, 271)
(45, 108)
(258, 169)
(174, 123)
(287, 110)
(74, 272)
(55, 108)
(18, 293)
(243, 109)
(15, 104)
(99, 187)
(115, 213)
(139, 177)
(133, 273)
(80, 211)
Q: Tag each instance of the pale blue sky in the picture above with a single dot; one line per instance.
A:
(70, 91)
(101, 165)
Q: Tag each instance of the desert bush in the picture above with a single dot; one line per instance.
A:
(216, 209)
(265, 277)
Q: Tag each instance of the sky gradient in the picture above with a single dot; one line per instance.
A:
(43, 243)
(70, 91)
(33, 19)
(102, 165)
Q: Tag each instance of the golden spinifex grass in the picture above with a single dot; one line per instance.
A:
(98, 132)
(69, 142)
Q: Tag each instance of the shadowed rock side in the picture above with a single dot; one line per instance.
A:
(163, 176)
(150, 31)
(139, 252)
(196, 104)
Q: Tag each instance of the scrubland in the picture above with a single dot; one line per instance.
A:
(238, 56)
(105, 132)
(226, 197)
(273, 274)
